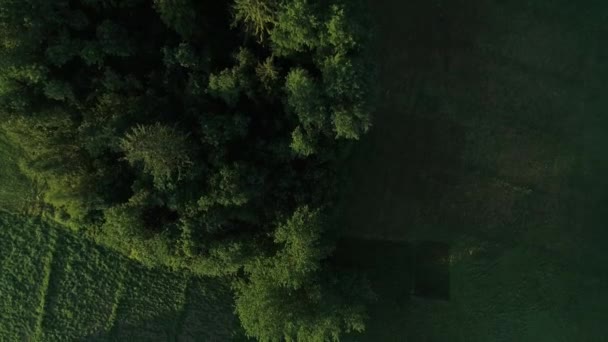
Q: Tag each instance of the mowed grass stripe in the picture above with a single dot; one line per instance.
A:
(183, 311)
(208, 315)
(150, 305)
(26, 253)
(82, 291)
(117, 299)
(44, 287)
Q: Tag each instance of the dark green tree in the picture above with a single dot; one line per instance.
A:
(178, 15)
(288, 297)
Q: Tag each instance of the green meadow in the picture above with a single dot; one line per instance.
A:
(56, 286)
(490, 139)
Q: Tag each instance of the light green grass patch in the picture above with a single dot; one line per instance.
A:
(82, 292)
(57, 286)
(152, 304)
(205, 316)
(26, 252)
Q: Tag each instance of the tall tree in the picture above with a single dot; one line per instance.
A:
(257, 16)
(163, 152)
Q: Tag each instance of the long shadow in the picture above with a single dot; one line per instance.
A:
(151, 330)
(400, 174)
(399, 273)
(414, 152)
(207, 315)
(448, 70)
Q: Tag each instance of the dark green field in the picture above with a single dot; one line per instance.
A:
(490, 136)
(57, 287)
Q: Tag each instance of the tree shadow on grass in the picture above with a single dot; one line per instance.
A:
(160, 306)
(207, 316)
(399, 173)
(399, 176)
(399, 273)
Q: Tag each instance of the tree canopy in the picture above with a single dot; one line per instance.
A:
(199, 135)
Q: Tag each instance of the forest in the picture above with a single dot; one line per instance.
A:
(201, 136)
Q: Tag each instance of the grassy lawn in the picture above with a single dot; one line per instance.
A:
(490, 137)
(56, 287)
(26, 253)
(83, 289)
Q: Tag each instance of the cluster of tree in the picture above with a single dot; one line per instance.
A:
(201, 135)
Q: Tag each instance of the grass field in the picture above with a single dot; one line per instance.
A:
(57, 287)
(490, 137)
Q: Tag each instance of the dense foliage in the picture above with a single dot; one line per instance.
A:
(198, 134)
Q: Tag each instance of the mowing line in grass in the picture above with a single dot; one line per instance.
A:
(44, 288)
(208, 315)
(117, 298)
(83, 290)
(150, 305)
(181, 316)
